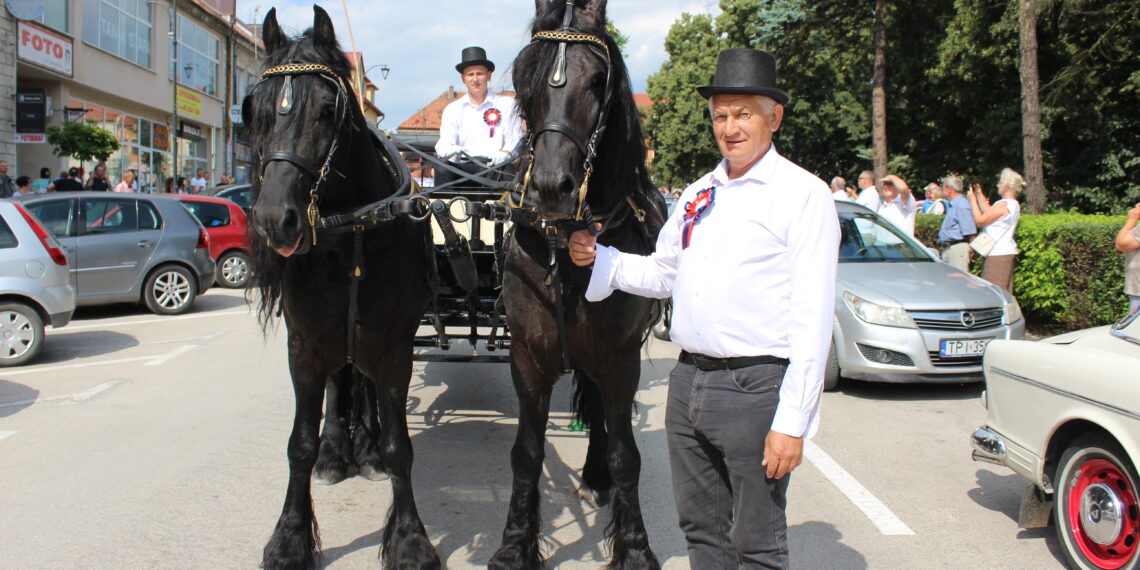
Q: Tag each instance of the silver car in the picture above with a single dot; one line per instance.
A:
(901, 315)
(35, 288)
(129, 248)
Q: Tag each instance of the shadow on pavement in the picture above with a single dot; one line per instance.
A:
(910, 392)
(224, 300)
(816, 544)
(63, 346)
(14, 397)
(1002, 493)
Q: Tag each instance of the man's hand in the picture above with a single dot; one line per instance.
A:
(1134, 214)
(782, 454)
(582, 250)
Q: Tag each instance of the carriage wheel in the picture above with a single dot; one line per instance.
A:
(1096, 511)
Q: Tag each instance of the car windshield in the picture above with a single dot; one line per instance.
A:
(869, 238)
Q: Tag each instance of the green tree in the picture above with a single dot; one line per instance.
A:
(81, 141)
(678, 125)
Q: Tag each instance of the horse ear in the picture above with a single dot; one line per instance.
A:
(539, 5)
(592, 16)
(323, 31)
(271, 34)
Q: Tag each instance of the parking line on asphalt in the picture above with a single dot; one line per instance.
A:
(875, 510)
(64, 399)
(4, 434)
(176, 352)
(157, 359)
(106, 325)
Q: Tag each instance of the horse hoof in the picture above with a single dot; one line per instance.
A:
(372, 474)
(329, 476)
(594, 498)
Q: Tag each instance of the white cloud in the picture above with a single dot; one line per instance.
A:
(421, 41)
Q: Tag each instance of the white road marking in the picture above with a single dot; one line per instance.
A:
(64, 399)
(4, 434)
(176, 352)
(110, 324)
(875, 510)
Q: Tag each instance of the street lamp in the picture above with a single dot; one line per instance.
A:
(384, 69)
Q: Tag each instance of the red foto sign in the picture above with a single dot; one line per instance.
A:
(45, 48)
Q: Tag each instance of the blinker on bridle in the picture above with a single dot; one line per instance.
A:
(284, 106)
(557, 79)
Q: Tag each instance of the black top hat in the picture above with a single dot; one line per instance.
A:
(745, 70)
(474, 55)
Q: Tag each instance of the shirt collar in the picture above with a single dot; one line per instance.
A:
(490, 100)
(762, 172)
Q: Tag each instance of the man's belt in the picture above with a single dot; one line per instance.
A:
(731, 363)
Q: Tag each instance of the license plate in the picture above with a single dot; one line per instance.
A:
(963, 348)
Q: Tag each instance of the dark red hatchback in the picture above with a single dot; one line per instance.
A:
(226, 223)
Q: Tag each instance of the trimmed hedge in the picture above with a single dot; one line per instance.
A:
(1068, 274)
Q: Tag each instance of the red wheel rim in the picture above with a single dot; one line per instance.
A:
(1119, 551)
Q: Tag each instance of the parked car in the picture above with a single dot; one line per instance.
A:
(1063, 414)
(226, 223)
(35, 285)
(240, 194)
(901, 315)
(132, 248)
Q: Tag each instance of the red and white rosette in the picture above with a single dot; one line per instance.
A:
(492, 117)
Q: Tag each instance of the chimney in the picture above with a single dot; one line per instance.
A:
(450, 93)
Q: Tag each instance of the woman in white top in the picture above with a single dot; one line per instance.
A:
(1000, 222)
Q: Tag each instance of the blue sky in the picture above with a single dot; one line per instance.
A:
(421, 40)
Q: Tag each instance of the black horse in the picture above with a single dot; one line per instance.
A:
(574, 93)
(320, 161)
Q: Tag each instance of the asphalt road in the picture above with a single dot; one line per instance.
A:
(139, 441)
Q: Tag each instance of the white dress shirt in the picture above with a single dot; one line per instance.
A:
(869, 197)
(900, 213)
(758, 277)
(463, 127)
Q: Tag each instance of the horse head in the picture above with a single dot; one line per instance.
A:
(301, 118)
(565, 81)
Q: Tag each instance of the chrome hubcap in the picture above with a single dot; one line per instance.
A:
(1101, 513)
(234, 270)
(16, 334)
(171, 290)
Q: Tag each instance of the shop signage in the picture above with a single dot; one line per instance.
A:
(31, 110)
(25, 9)
(243, 153)
(235, 114)
(161, 139)
(189, 102)
(25, 138)
(189, 131)
(44, 48)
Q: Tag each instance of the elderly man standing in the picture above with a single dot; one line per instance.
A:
(750, 262)
(868, 194)
(957, 227)
(7, 188)
(839, 189)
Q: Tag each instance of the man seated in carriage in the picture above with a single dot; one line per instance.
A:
(480, 129)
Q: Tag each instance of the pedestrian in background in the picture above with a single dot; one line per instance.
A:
(957, 227)
(182, 187)
(127, 183)
(999, 221)
(68, 181)
(750, 263)
(98, 180)
(898, 205)
(1128, 241)
(7, 188)
(935, 202)
(868, 194)
(23, 186)
(43, 183)
(839, 189)
(169, 187)
(199, 182)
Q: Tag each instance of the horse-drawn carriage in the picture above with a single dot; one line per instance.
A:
(347, 257)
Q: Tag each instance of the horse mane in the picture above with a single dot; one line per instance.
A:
(268, 276)
(620, 160)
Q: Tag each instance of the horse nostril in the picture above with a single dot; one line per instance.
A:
(290, 218)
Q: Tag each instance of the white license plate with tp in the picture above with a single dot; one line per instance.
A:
(963, 347)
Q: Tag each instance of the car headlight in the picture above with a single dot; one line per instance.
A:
(1010, 312)
(877, 314)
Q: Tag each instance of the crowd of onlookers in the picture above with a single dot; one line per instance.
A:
(73, 179)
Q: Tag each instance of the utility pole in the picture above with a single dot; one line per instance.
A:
(174, 96)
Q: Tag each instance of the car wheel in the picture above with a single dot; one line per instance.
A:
(661, 327)
(170, 290)
(1095, 508)
(21, 334)
(831, 371)
(233, 270)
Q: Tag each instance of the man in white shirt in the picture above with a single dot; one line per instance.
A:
(750, 262)
(839, 189)
(898, 205)
(868, 194)
(198, 183)
(483, 124)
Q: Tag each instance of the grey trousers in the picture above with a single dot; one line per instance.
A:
(732, 515)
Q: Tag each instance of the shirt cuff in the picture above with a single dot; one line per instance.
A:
(602, 275)
(790, 421)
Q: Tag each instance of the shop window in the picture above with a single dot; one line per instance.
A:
(122, 28)
(55, 15)
(197, 57)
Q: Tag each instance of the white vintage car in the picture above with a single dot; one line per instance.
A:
(1064, 413)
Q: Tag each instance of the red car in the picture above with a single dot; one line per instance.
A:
(226, 224)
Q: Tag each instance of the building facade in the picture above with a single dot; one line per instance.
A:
(162, 76)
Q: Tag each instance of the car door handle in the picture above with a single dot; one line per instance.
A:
(144, 243)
